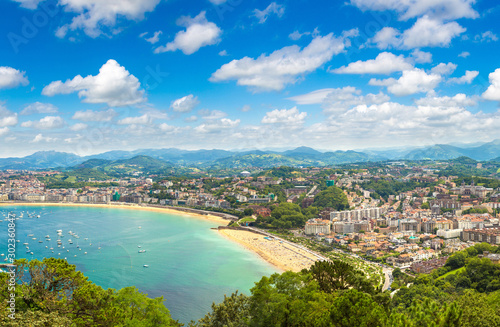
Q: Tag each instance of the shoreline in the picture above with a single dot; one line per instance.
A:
(122, 205)
(281, 261)
(278, 254)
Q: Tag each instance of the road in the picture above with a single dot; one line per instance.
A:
(387, 282)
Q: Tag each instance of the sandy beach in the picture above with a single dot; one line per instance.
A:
(281, 255)
(221, 221)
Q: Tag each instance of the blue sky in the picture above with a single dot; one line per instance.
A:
(88, 76)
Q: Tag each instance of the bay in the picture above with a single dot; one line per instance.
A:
(189, 264)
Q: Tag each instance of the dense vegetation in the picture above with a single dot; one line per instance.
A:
(52, 293)
(333, 197)
(336, 294)
(284, 216)
(465, 292)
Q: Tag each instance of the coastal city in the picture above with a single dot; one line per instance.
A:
(414, 223)
(264, 163)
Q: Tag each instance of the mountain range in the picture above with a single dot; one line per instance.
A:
(301, 156)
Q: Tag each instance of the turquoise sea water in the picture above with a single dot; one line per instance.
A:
(190, 265)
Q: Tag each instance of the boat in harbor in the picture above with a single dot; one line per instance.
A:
(142, 251)
(146, 266)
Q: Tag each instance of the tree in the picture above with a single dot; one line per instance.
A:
(332, 197)
(55, 292)
(338, 275)
(234, 311)
(355, 308)
(289, 299)
(248, 212)
(456, 260)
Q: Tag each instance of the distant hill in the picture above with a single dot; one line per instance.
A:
(258, 160)
(41, 160)
(301, 156)
(303, 150)
(464, 160)
(124, 166)
(435, 152)
(93, 163)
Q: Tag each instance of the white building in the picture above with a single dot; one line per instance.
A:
(449, 233)
(358, 214)
(316, 226)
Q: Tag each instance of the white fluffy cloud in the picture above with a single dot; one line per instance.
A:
(78, 127)
(7, 118)
(211, 114)
(113, 85)
(421, 57)
(340, 99)
(459, 100)
(291, 117)
(273, 8)
(274, 71)
(216, 126)
(384, 63)
(439, 9)
(4, 131)
(141, 120)
(199, 33)
(185, 104)
(397, 124)
(97, 16)
(49, 122)
(487, 36)
(387, 37)
(426, 32)
(166, 128)
(493, 91)
(39, 108)
(95, 116)
(444, 69)
(411, 82)
(40, 138)
(466, 79)
(10, 78)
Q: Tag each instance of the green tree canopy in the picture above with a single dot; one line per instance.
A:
(332, 197)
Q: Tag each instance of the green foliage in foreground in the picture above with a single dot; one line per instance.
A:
(53, 293)
(336, 294)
